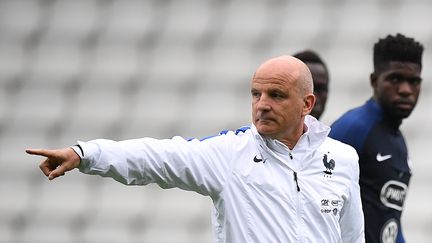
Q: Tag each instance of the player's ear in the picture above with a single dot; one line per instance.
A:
(309, 102)
(373, 79)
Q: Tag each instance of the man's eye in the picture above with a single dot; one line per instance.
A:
(277, 95)
(415, 81)
(395, 79)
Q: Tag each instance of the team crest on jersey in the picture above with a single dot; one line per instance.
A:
(329, 164)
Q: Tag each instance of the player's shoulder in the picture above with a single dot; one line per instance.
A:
(354, 118)
(353, 126)
(359, 117)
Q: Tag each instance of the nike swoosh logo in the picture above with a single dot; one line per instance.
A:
(381, 158)
(256, 160)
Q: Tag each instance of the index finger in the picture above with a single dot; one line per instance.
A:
(42, 152)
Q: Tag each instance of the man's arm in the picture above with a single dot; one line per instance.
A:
(352, 219)
(195, 165)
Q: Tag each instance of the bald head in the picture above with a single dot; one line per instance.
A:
(287, 68)
(282, 95)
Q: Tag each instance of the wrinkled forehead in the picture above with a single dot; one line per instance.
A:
(286, 71)
(281, 69)
(275, 78)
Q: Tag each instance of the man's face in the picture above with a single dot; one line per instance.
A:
(397, 87)
(277, 106)
(320, 81)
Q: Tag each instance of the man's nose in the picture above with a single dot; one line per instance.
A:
(405, 88)
(264, 103)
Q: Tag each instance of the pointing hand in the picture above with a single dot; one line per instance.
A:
(57, 161)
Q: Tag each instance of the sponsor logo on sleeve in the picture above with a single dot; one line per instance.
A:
(393, 194)
(389, 231)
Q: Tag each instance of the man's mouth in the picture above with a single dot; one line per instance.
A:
(265, 119)
(405, 105)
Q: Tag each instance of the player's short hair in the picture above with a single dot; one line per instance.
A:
(309, 56)
(396, 48)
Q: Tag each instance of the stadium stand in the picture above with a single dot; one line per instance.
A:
(117, 69)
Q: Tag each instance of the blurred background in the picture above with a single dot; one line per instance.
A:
(118, 69)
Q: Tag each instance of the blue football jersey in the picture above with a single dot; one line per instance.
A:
(384, 168)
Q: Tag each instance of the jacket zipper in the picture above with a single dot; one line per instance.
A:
(299, 210)
(296, 181)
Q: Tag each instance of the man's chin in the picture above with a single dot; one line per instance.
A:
(402, 113)
(264, 129)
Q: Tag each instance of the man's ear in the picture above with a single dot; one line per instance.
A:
(309, 102)
(373, 79)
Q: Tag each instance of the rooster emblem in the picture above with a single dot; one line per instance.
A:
(329, 165)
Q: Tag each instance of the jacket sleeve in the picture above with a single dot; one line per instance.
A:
(352, 219)
(190, 165)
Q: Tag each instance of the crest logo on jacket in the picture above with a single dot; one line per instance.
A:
(329, 165)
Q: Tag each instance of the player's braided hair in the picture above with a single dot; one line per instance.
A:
(396, 48)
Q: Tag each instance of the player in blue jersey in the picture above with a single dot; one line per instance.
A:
(373, 130)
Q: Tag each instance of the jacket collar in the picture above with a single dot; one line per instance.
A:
(315, 134)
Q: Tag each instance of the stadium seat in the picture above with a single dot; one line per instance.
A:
(85, 69)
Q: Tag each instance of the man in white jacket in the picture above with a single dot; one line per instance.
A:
(279, 180)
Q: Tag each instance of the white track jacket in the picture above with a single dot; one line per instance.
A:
(262, 191)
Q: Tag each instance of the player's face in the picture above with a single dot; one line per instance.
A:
(397, 88)
(277, 106)
(320, 81)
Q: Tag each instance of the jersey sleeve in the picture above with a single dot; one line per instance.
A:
(190, 165)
